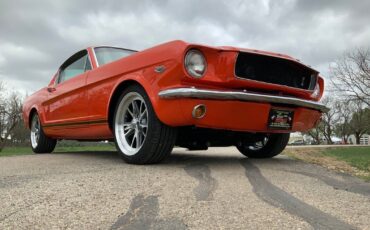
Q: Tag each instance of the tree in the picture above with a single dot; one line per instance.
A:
(329, 119)
(327, 126)
(360, 121)
(343, 130)
(10, 114)
(315, 133)
(20, 135)
(344, 110)
(351, 75)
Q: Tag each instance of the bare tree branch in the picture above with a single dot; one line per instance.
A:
(10, 114)
(350, 75)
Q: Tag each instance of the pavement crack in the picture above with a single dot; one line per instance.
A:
(277, 197)
(206, 183)
(143, 214)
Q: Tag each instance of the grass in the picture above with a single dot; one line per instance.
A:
(352, 160)
(13, 151)
(92, 148)
(358, 157)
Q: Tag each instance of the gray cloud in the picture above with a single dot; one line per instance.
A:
(37, 36)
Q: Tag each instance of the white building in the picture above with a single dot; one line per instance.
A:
(365, 139)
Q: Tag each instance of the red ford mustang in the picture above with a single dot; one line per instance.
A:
(189, 95)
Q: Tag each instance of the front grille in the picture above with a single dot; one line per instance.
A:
(275, 71)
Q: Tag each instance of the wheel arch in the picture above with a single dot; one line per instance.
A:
(31, 114)
(117, 93)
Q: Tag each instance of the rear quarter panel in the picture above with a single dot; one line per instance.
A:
(34, 102)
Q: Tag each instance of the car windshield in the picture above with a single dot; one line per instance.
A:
(105, 55)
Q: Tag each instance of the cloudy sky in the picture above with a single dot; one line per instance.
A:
(37, 36)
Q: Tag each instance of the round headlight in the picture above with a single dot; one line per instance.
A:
(195, 63)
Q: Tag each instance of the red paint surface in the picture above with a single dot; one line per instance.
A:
(87, 97)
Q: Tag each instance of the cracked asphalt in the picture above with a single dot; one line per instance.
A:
(214, 189)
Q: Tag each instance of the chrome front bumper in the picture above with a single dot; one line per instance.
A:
(239, 95)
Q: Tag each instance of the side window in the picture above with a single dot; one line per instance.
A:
(75, 68)
(105, 55)
(88, 64)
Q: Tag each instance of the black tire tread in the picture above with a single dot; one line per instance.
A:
(162, 139)
(46, 144)
(166, 142)
(274, 146)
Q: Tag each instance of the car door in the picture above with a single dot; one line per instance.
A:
(67, 100)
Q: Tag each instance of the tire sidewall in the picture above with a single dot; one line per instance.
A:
(152, 129)
(274, 146)
(44, 143)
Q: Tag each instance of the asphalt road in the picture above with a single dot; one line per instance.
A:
(214, 189)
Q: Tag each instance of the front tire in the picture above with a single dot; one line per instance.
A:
(40, 143)
(270, 146)
(140, 137)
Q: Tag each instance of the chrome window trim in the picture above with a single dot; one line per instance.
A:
(57, 82)
(96, 60)
(239, 95)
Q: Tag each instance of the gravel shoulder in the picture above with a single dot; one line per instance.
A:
(213, 189)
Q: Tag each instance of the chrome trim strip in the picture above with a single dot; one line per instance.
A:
(239, 95)
(56, 82)
(115, 47)
(96, 60)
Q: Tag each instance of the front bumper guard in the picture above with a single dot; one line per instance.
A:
(240, 96)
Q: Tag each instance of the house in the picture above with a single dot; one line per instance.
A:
(364, 140)
(295, 138)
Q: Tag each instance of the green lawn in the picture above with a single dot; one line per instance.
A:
(350, 159)
(11, 151)
(358, 157)
(92, 148)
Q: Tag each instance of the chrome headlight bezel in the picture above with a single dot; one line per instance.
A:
(195, 63)
(317, 91)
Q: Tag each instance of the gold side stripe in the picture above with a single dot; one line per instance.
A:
(76, 123)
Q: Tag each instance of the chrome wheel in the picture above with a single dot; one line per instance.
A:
(140, 137)
(35, 131)
(131, 123)
(270, 145)
(259, 144)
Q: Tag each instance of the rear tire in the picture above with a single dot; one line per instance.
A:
(40, 143)
(270, 146)
(140, 137)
